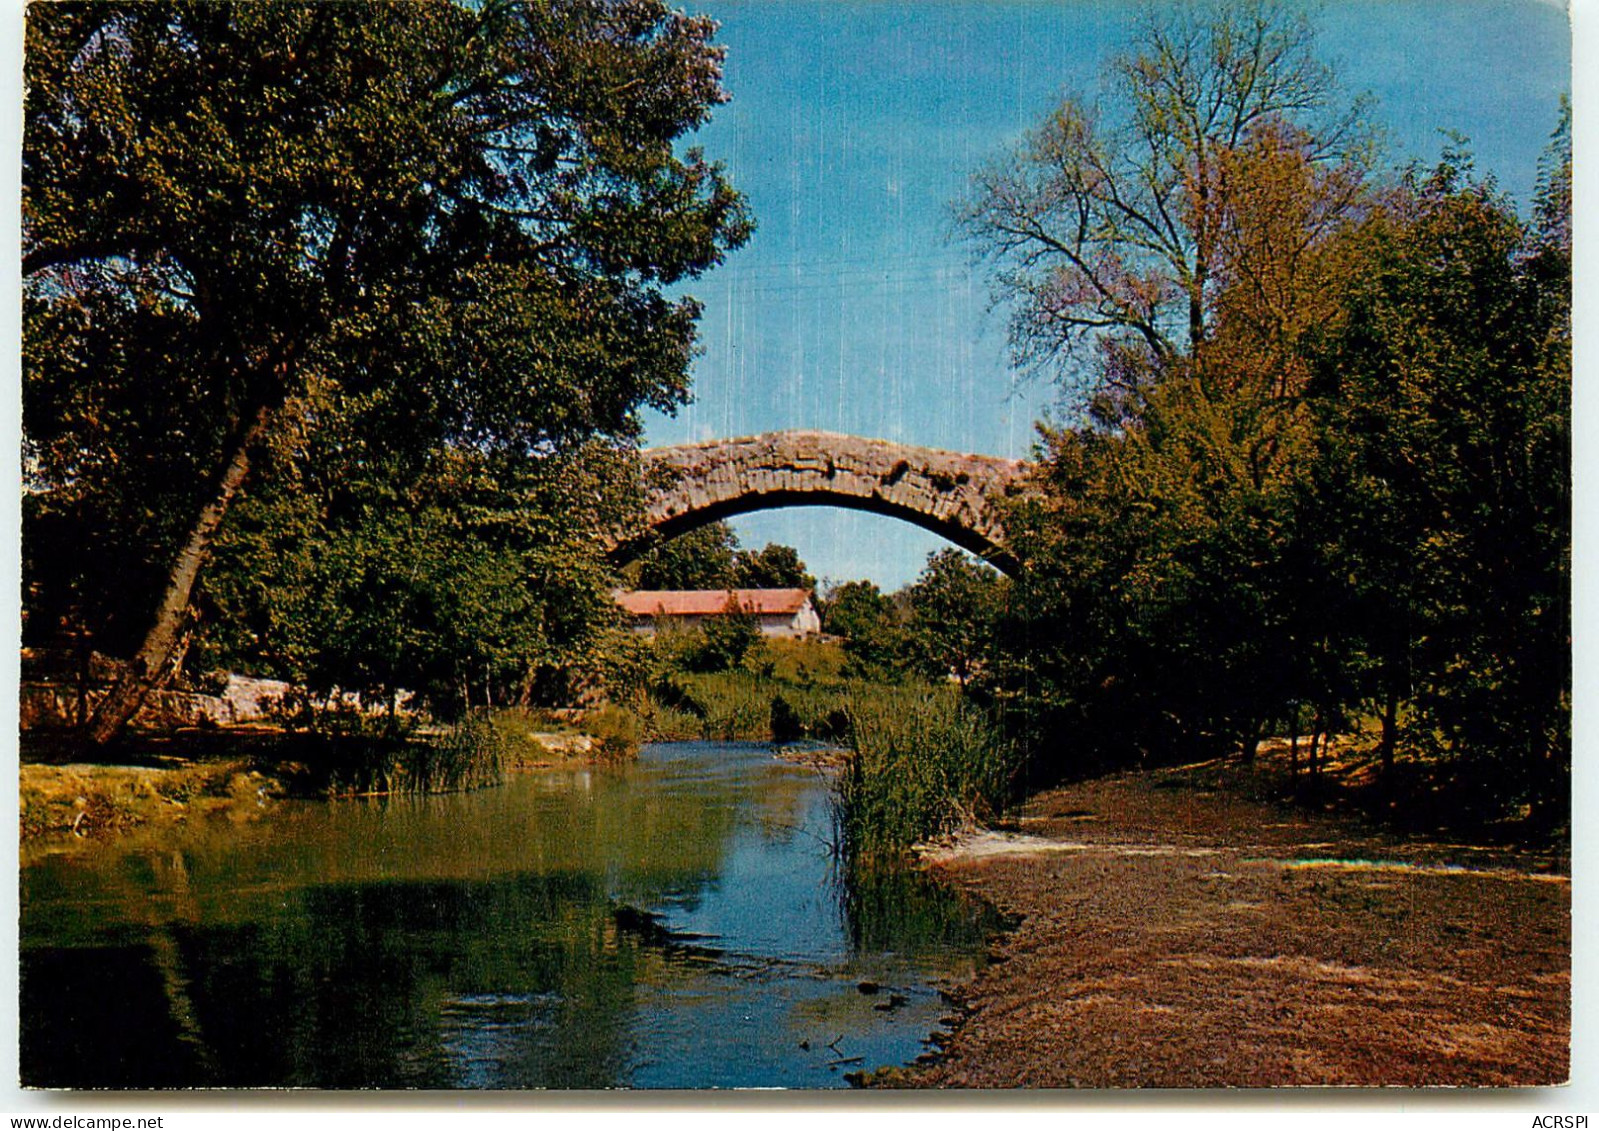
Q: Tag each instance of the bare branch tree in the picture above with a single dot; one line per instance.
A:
(1103, 223)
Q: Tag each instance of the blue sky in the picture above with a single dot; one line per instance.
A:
(852, 128)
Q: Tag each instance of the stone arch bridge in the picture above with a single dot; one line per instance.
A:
(953, 494)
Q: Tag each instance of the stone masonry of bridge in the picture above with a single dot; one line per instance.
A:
(950, 493)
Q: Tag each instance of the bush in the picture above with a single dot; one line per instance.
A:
(616, 733)
(724, 642)
(923, 765)
(470, 754)
(786, 725)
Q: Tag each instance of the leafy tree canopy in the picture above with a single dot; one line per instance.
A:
(469, 216)
(775, 567)
(953, 605)
(709, 557)
(702, 558)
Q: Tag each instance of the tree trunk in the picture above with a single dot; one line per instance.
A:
(1250, 743)
(151, 663)
(1318, 731)
(1390, 730)
(81, 655)
(1293, 743)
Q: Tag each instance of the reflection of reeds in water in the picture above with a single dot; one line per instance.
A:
(887, 907)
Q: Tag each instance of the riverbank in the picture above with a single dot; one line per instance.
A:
(92, 801)
(1177, 932)
(223, 773)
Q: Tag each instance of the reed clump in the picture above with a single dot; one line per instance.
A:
(468, 754)
(925, 763)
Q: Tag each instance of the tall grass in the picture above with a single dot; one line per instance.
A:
(925, 763)
(470, 754)
(532, 736)
(742, 705)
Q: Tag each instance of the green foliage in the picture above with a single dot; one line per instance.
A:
(872, 628)
(616, 733)
(1445, 399)
(1388, 534)
(799, 692)
(936, 628)
(470, 754)
(925, 763)
(738, 706)
(723, 642)
(953, 604)
(466, 226)
(1321, 469)
(702, 558)
(471, 580)
(775, 567)
(518, 729)
(709, 557)
(808, 662)
(785, 721)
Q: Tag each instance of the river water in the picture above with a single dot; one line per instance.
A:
(680, 922)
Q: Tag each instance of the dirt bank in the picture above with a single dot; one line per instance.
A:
(229, 773)
(1175, 933)
(86, 801)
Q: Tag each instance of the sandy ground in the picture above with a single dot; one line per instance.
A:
(1177, 934)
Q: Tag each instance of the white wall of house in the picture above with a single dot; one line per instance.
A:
(805, 622)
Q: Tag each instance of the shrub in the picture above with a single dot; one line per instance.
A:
(616, 733)
(786, 725)
(725, 641)
(923, 765)
(468, 755)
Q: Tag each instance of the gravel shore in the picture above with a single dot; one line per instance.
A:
(1177, 934)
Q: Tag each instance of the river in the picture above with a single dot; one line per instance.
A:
(678, 922)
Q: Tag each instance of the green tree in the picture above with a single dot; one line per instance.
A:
(1178, 241)
(476, 578)
(775, 567)
(1445, 394)
(725, 640)
(703, 558)
(953, 605)
(470, 215)
(872, 627)
(709, 557)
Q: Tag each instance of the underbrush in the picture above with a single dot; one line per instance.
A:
(1421, 794)
(924, 762)
(784, 691)
(743, 705)
(616, 731)
(522, 734)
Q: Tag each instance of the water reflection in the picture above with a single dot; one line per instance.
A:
(676, 923)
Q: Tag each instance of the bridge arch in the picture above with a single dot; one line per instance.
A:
(952, 494)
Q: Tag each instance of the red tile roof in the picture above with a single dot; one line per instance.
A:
(709, 602)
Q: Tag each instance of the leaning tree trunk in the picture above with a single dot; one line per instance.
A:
(151, 663)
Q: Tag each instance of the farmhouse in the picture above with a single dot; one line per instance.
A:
(779, 612)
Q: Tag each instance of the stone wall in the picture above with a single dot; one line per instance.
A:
(52, 703)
